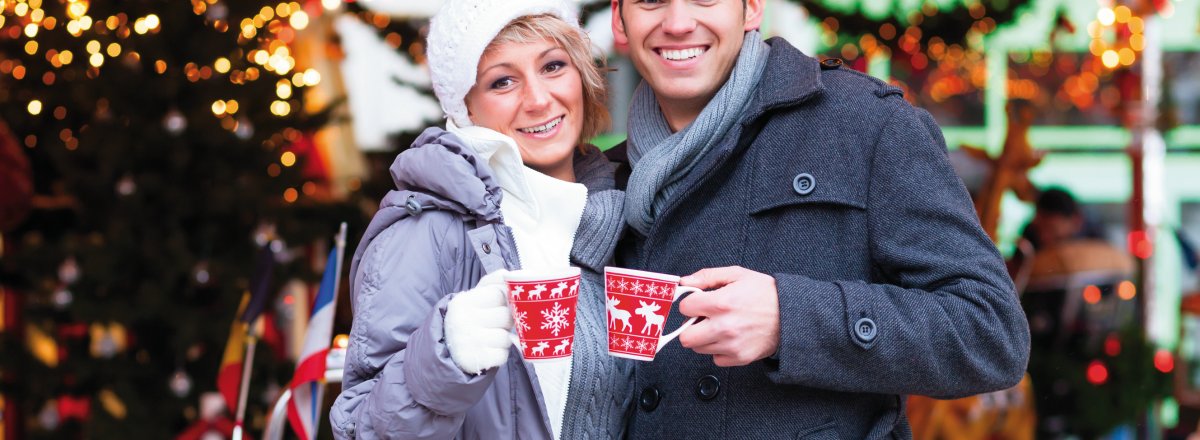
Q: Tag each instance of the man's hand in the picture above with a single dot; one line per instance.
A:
(741, 322)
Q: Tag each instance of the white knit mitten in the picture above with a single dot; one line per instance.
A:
(477, 325)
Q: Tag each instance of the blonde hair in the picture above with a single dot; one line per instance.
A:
(572, 39)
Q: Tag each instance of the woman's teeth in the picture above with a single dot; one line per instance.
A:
(685, 54)
(541, 128)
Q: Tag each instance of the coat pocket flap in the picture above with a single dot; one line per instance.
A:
(807, 189)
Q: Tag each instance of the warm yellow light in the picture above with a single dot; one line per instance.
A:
(298, 79)
(267, 13)
(152, 21)
(1126, 290)
(222, 65)
(261, 57)
(96, 60)
(331, 4)
(1126, 56)
(114, 49)
(231, 107)
(37, 15)
(288, 158)
(218, 107)
(282, 10)
(249, 32)
(160, 66)
(92, 46)
(140, 27)
(283, 89)
(280, 108)
(295, 7)
(66, 57)
(1136, 25)
(35, 107)
(1122, 13)
(1137, 42)
(77, 9)
(1096, 47)
(341, 341)
(1110, 58)
(1106, 16)
(31, 47)
(73, 28)
(31, 30)
(21, 9)
(299, 20)
(290, 195)
(312, 77)
(85, 23)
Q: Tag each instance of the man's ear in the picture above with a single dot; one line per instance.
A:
(754, 14)
(620, 40)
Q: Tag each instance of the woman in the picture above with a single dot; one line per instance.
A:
(429, 353)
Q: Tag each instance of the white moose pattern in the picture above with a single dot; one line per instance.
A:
(648, 311)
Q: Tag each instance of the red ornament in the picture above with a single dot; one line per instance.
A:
(16, 177)
(1112, 345)
(1164, 361)
(74, 407)
(1097, 373)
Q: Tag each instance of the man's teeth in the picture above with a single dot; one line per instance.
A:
(542, 128)
(685, 54)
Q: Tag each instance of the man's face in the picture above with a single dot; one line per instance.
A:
(685, 49)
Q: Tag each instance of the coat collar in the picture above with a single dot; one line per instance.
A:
(791, 77)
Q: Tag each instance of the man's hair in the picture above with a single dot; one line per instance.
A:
(533, 28)
(1057, 201)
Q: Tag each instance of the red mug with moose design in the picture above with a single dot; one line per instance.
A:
(543, 307)
(638, 303)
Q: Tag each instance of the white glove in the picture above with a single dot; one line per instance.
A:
(478, 323)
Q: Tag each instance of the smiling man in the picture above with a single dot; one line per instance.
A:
(843, 264)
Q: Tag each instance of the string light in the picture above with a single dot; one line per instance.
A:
(288, 158)
(34, 107)
(280, 108)
(222, 65)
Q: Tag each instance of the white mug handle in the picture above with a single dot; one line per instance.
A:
(679, 291)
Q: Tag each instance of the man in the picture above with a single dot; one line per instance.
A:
(843, 264)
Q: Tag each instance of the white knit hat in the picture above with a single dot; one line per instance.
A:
(460, 32)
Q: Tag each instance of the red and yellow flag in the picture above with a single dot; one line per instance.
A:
(229, 376)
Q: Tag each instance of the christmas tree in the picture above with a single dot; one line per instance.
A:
(162, 142)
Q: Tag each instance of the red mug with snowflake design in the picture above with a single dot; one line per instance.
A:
(638, 303)
(543, 307)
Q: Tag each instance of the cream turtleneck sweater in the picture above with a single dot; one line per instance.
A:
(544, 214)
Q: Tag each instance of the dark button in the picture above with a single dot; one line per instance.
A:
(649, 399)
(804, 184)
(831, 63)
(487, 248)
(865, 330)
(708, 387)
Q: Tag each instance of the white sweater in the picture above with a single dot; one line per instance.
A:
(544, 214)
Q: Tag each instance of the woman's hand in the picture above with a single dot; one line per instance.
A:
(477, 325)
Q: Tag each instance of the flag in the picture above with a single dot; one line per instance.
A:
(308, 383)
(260, 285)
(230, 374)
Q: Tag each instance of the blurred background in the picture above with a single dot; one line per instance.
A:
(173, 174)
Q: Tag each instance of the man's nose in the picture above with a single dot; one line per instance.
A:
(680, 19)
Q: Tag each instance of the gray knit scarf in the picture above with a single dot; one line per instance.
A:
(661, 159)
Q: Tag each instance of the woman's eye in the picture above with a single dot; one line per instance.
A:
(554, 66)
(501, 83)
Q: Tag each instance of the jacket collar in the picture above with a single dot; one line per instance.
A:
(791, 78)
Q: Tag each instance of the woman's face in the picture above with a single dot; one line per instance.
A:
(532, 93)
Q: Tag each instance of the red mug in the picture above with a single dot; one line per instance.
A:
(638, 303)
(543, 307)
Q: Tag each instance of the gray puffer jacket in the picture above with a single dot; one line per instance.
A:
(437, 234)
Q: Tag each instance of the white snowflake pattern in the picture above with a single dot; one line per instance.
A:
(652, 290)
(642, 345)
(522, 322)
(637, 286)
(556, 318)
(625, 343)
(622, 285)
(612, 283)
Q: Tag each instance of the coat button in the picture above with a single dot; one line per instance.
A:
(831, 63)
(804, 184)
(487, 248)
(708, 387)
(649, 399)
(865, 330)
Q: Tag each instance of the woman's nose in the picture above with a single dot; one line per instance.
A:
(537, 96)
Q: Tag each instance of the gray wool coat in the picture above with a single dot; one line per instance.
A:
(434, 236)
(836, 186)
